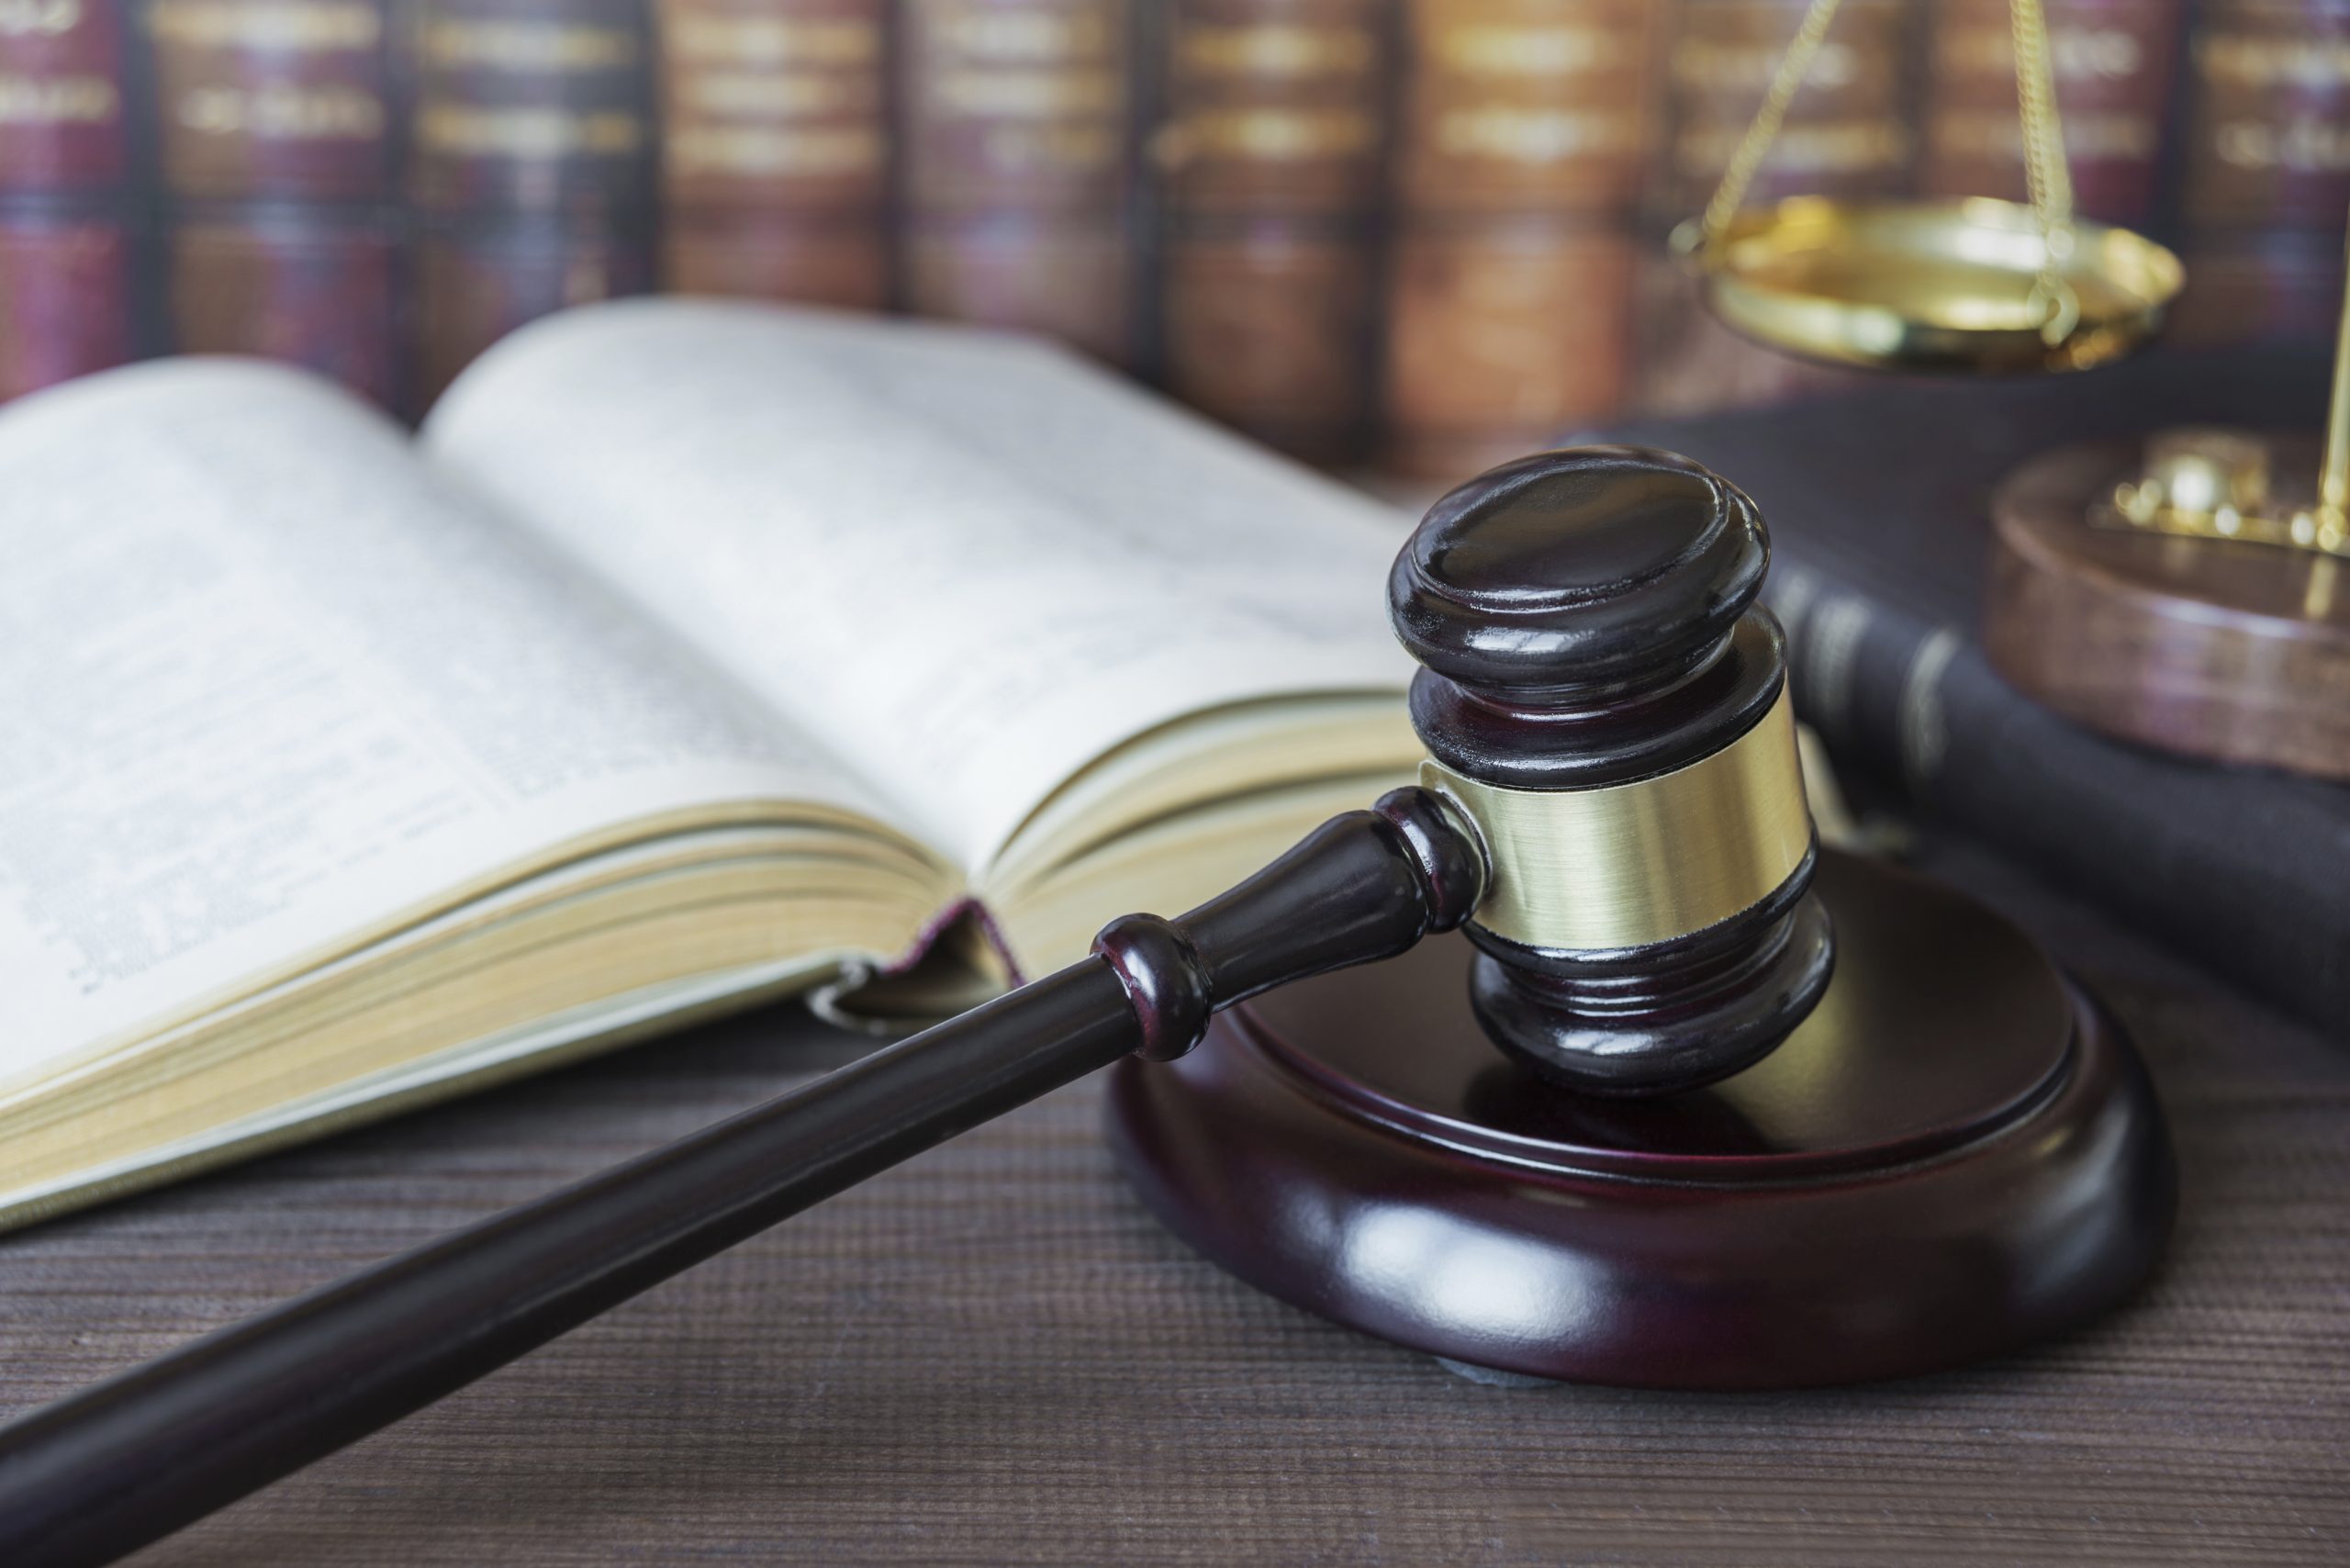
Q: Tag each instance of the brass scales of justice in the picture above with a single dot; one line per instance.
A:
(2188, 597)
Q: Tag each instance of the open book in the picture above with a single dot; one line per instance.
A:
(692, 655)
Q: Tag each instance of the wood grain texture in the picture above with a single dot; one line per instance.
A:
(2207, 647)
(993, 1355)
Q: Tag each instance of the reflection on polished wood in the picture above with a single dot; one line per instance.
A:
(995, 1354)
(2209, 647)
(1954, 1156)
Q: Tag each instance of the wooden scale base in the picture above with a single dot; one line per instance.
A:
(1956, 1154)
(2208, 647)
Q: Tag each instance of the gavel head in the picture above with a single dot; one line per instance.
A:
(1606, 705)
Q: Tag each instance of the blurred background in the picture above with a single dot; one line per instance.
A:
(1418, 234)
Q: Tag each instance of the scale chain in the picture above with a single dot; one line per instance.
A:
(2047, 178)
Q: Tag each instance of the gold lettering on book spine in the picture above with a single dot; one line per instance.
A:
(1535, 52)
(1276, 51)
(1021, 37)
(1279, 136)
(767, 96)
(1843, 147)
(1729, 68)
(40, 18)
(2269, 63)
(1534, 136)
(535, 133)
(2088, 135)
(2076, 54)
(774, 95)
(836, 43)
(58, 100)
(283, 112)
(2304, 143)
(526, 46)
(1631, 864)
(1030, 95)
(305, 26)
(774, 150)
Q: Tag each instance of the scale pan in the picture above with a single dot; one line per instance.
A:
(1926, 285)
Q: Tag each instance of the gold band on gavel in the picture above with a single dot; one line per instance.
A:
(1631, 864)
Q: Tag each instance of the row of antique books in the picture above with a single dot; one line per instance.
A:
(1433, 228)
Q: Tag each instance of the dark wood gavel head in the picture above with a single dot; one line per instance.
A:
(1606, 704)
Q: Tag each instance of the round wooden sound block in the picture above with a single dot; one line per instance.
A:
(2208, 647)
(1954, 1155)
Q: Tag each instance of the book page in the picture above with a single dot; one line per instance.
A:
(968, 563)
(268, 682)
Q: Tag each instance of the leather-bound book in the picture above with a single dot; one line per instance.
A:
(475, 282)
(273, 124)
(775, 149)
(1018, 182)
(317, 290)
(67, 296)
(2267, 168)
(530, 166)
(63, 127)
(1850, 132)
(2282, 287)
(2268, 129)
(1271, 168)
(2114, 62)
(1523, 130)
(68, 249)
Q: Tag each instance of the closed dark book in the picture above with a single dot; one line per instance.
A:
(69, 246)
(775, 149)
(273, 124)
(1879, 510)
(1016, 137)
(1270, 162)
(1523, 130)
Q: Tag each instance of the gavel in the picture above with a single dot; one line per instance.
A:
(1612, 810)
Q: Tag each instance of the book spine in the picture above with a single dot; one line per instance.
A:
(69, 232)
(475, 282)
(1018, 204)
(1848, 132)
(531, 166)
(1523, 131)
(1270, 162)
(273, 123)
(2266, 170)
(1847, 135)
(2113, 61)
(2164, 846)
(775, 149)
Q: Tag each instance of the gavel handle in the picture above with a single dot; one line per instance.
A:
(103, 1472)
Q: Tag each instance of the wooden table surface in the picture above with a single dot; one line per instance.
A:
(995, 1355)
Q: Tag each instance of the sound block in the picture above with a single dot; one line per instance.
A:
(2207, 647)
(1955, 1155)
